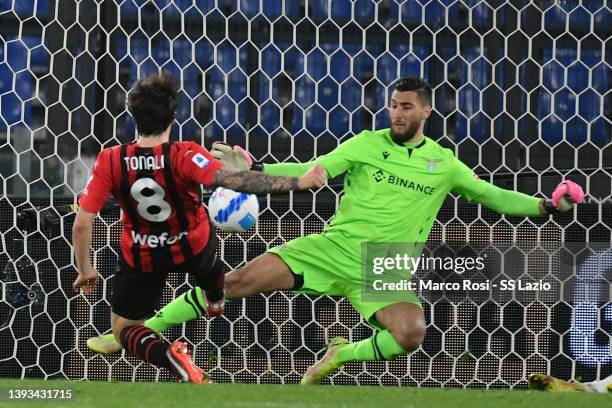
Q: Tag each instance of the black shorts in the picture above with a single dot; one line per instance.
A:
(135, 294)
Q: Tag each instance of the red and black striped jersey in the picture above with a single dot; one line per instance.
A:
(164, 221)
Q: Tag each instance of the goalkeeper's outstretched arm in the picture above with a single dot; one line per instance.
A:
(336, 162)
(510, 202)
(466, 183)
(238, 159)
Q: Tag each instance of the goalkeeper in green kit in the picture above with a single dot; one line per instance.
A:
(395, 182)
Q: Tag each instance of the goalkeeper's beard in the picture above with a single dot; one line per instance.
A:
(410, 132)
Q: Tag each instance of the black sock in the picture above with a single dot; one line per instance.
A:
(146, 345)
(212, 283)
(214, 291)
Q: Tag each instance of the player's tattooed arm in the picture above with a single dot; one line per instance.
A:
(259, 183)
(254, 182)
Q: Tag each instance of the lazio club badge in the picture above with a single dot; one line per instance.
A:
(431, 164)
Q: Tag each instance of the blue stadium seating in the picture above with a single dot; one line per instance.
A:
(434, 15)
(25, 8)
(471, 96)
(189, 74)
(127, 8)
(349, 93)
(16, 54)
(24, 86)
(304, 93)
(328, 91)
(16, 59)
(130, 7)
(127, 63)
(552, 128)
(225, 102)
(6, 76)
(482, 16)
(182, 5)
(238, 89)
(590, 102)
(205, 5)
(580, 19)
(274, 9)
(603, 18)
(250, 8)
(470, 101)
(10, 110)
(39, 58)
(364, 11)
(386, 69)
(161, 53)
(565, 103)
(411, 13)
(556, 17)
(330, 94)
(339, 11)
(6, 83)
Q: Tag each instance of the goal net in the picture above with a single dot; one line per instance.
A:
(521, 94)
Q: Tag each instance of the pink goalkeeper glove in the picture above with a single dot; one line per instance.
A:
(235, 158)
(567, 190)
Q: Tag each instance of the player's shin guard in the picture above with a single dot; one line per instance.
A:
(189, 306)
(145, 345)
(381, 346)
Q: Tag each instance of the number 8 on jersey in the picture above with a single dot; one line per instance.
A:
(150, 198)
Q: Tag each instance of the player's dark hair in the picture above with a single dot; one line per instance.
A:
(153, 102)
(418, 85)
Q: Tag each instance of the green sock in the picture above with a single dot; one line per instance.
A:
(189, 306)
(381, 346)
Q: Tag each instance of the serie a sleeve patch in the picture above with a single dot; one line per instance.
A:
(200, 160)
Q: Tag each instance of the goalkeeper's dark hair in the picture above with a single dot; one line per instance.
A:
(416, 84)
(152, 102)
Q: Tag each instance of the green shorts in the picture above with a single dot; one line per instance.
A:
(332, 266)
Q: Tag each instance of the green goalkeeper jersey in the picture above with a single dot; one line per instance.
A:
(392, 192)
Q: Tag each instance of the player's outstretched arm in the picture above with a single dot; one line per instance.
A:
(81, 241)
(236, 158)
(259, 183)
(509, 202)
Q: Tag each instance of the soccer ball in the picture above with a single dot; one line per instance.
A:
(232, 211)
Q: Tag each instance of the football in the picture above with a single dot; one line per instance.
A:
(232, 211)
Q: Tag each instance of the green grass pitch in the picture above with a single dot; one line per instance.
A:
(152, 395)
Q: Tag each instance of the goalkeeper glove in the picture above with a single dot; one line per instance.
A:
(566, 194)
(236, 158)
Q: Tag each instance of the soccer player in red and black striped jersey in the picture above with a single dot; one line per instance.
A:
(165, 226)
